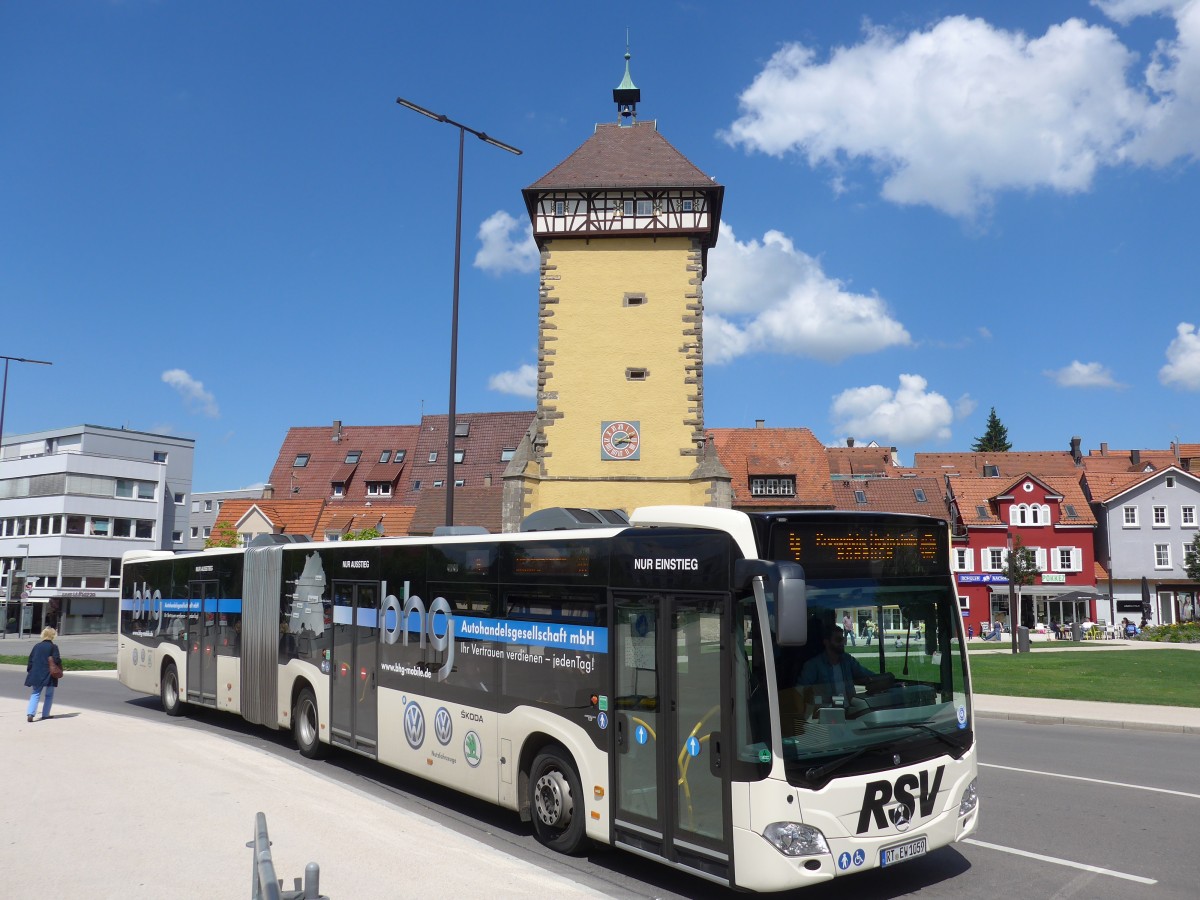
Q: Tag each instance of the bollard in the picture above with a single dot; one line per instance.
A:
(264, 884)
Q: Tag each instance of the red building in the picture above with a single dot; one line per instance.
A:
(1050, 515)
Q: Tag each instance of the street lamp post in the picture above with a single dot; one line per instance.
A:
(450, 423)
(21, 599)
(4, 390)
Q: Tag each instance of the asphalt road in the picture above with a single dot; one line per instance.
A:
(1068, 812)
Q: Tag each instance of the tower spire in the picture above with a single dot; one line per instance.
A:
(626, 94)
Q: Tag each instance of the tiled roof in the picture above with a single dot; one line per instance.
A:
(780, 451)
(488, 435)
(1072, 495)
(971, 493)
(860, 461)
(1013, 463)
(615, 156)
(1108, 460)
(897, 495)
(288, 516)
(472, 506)
(327, 460)
(391, 520)
(1103, 486)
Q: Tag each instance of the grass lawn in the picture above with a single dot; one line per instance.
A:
(1155, 677)
(69, 665)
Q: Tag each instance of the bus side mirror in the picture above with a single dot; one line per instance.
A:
(791, 606)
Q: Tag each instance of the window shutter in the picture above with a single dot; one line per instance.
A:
(1076, 559)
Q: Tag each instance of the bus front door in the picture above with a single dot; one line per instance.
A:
(671, 709)
(202, 643)
(352, 683)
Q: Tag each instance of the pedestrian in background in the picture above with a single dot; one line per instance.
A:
(848, 628)
(40, 677)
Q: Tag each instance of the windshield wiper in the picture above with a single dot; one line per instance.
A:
(819, 773)
(921, 726)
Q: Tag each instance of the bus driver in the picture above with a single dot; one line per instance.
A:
(833, 672)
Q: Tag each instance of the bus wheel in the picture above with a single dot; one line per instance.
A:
(556, 800)
(306, 725)
(168, 691)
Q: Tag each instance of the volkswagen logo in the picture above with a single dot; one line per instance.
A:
(900, 815)
(443, 726)
(414, 726)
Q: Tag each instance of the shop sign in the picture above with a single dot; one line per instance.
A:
(982, 579)
(1052, 578)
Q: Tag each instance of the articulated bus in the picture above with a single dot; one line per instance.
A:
(671, 686)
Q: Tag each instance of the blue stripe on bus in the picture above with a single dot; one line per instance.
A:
(176, 605)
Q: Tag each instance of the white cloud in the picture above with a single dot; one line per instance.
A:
(1079, 374)
(520, 383)
(954, 114)
(769, 296)
(964, 406)
(910, 414)
(1183, 355)
(194, 395)
(506, 247)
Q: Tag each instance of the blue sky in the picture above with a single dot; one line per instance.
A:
(217, 223)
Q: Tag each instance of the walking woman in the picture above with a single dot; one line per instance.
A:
(39, 677)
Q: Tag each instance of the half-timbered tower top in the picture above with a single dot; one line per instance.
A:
(626, 95)
(625, 181)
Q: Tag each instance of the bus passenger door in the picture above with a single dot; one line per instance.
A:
(671, 769)
(353, 679)
(202, 643)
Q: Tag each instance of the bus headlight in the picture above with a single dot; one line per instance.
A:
(794, 839)
(970, 799)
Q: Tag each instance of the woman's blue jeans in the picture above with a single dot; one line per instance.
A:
(48, 690)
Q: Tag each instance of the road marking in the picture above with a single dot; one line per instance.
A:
(1060, 862)
(1137, 787)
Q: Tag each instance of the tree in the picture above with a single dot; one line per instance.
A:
(1020, 569)
(224, 534)
(1191, 558)
(995, 439)
(365, 534)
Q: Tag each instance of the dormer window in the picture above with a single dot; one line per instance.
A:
(860, 496)
(300, 461)
(353, 456)
(773, 486)
(339, 488)
(379, 489)
(991, 471)
(919, 495)
(385, 456)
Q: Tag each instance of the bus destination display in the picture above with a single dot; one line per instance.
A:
(831, 551)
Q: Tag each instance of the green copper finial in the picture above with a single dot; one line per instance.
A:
(626, 94)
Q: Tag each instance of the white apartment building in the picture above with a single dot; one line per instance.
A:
(72, 501)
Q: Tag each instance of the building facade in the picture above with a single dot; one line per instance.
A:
(1149, 522)
(72, 501)
(206, 506)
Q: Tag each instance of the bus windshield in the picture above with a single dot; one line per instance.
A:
(883, 674)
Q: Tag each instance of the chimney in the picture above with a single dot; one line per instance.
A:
(1075, 453)
(849, 442)
(268, 491)
(487, 480)
(1103, 448)
(337, 430)
(1135, 457)
(760, 423)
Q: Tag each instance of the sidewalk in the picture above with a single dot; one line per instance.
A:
(104, 806)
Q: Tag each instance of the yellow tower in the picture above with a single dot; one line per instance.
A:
(624, 225)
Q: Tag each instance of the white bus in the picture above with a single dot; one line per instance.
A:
(646, 685)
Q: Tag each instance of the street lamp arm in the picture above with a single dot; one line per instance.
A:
(439, 117)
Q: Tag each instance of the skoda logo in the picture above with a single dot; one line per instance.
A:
(414, 726)
(443, 726)
(900, 815)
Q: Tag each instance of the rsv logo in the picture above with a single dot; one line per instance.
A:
(879, 794)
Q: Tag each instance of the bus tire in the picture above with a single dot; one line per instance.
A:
(306, 727)
(556, 801)
(168, 691)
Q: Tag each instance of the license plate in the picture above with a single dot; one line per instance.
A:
(889, 856)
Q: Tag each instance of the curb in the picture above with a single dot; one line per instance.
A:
(1042, 719)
